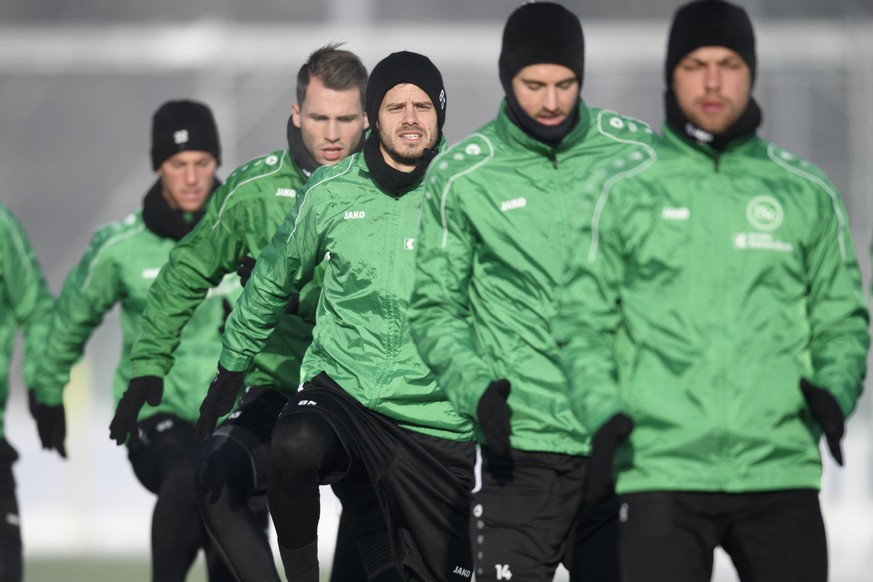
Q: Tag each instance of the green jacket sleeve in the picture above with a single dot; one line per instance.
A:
(281, 270)
(197, 263)
(837, 311)
(89, 291)
(26, 292)
(440, 319)
(588, 318)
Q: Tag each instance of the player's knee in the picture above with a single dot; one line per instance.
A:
(301, 445)
(224, 471)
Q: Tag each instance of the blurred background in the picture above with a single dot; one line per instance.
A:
(80, 80)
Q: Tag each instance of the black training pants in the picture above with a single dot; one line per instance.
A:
(669, 536)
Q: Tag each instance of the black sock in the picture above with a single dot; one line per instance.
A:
(301, 565)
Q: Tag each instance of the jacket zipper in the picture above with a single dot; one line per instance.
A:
(553, 157)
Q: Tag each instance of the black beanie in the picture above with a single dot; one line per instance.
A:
(541, 32)
(710, 23)
(405, 67)
(183, 125)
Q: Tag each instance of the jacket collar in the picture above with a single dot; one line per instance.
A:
(674, 139)
(518, 138)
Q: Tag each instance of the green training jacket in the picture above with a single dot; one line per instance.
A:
(240, 219)
(119, 265)
(496, 228)
(705, 287)
(366, 238)
(25, 303)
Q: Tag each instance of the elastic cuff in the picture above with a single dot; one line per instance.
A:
(233, 362)
(48, 396)
(149, 368)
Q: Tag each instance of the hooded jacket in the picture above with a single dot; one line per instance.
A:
(365, 237)
(119, 265)
(25, 303)
(500, 210)
(704, 288)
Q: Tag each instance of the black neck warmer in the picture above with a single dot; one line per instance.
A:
(301, 156)
(549, 135)
(165, 221)
(746, 125)
(392, 179)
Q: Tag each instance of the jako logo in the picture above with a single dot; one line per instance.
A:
(513, 204)
(307, 403)
(698, 134)
(181, 136)
(671, 213)
(164, 425)
(462, 572)
(409, 244)
(354, 214)
(286, 192)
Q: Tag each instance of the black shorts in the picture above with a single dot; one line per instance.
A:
(251, 425)
(422, 482)
(166, 443)
(529, 517)
(670, 536)
(257, 413)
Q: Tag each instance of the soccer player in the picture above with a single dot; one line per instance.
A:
(370, 414)
(714, 327)
(25, 303)
(500, 210)
(119, 266)
(326, 125)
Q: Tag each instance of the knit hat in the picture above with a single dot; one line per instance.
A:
(405, 67)
(183, 125)
(710, 23)
(541, 32)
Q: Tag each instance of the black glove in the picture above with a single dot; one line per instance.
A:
(246, 266)
(218, 402)
(141, 389)
(827, 412)
(493, 414)
(51, 424)
(599, 483)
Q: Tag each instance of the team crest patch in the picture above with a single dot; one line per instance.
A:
(764, 213)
